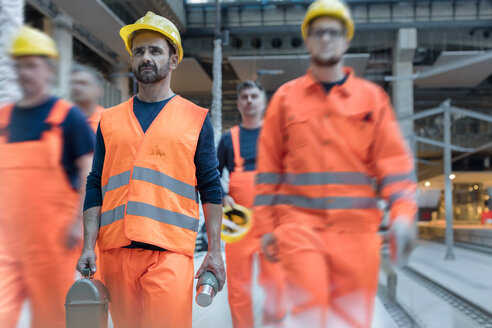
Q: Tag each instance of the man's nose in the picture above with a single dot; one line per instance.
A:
(146, 56)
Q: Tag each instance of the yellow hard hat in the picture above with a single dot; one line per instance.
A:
(32, 42)
(236, 223)
(156, 23)
(333, 8)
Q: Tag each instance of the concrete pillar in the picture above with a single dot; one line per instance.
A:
(403, 53)
(62, 34)
(120, 79)
(11, 18)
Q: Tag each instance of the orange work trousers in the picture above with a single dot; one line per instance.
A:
(43, 277)
(148, 289)
(331, 276)
(239, 266)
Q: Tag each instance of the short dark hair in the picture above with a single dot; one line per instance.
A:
(249, 84)
(172, 49)
(98, 77)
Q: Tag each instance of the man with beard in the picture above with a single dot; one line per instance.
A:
(237, 153)
(327, 137)
(153, 153)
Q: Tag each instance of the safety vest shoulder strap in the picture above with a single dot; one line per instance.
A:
(188, 106)
(238, 160)
(5, 113)
(59, 112)
(93, 120)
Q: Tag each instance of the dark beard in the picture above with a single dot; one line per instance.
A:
(326, 62)
(146, 78)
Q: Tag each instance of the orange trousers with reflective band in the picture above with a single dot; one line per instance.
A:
(37, 206)
(148, 289)
(240, 255)
(331, 276)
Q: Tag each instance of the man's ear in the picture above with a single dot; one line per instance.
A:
(173, 61)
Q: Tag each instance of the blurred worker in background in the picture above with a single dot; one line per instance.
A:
(152, 154)
(325, 137)
(45, 155)
(237, 153)
(86, 90)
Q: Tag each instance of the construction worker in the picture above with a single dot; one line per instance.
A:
(327, 136)
(46, 149)
(86, 90)
(237, 153)
(152, 154)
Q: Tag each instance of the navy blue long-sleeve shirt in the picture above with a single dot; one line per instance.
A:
(206, 163)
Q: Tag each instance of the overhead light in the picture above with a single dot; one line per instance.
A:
(487, 197)
(427, 184)
(475, 187)
(452, 176)
(470, 189)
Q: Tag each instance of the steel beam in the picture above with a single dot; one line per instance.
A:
(448, 186)
(442, 144)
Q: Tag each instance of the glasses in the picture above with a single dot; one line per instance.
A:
(332, 33)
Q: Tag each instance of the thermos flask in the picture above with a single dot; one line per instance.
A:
(207, 287)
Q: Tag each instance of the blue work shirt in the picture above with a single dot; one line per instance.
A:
(248, 140)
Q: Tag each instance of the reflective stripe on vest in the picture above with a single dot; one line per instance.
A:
(113, 215)
(322, 203)
(116, 181)
(314, 178)
(151, 176)
(393, 198)
(162, 215)
(158, 178)
(151, 212)
(393, 178)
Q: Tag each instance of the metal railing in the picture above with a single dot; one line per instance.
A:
(446, 110)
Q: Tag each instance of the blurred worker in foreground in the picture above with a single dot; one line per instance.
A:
(86, 90)
(325, 137)
(237, 152)
(46, 149)
(152, 152)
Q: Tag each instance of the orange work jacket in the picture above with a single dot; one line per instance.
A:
(37, 201)
(149, 179)
(94, 119)
(323, 156)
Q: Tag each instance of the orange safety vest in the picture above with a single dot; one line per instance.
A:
(241, 182)
(149, 179)
(94, 119)
(37, 201)
(321, 155)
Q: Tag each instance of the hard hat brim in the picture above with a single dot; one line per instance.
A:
(236, 236)
(126, 31)
(24, 53)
